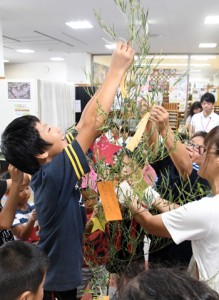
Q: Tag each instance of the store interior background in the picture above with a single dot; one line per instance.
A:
(176, 29)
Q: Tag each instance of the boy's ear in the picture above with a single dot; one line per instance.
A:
(24, 295)
(42, 156)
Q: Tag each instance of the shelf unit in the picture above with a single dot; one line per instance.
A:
(173, 111)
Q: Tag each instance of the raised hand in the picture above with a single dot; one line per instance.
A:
(122, 57)
(160, 116)
(16, 175)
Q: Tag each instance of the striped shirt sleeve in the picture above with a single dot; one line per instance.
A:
(70, 136)
(75, 161)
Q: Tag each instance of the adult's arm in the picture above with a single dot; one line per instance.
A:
(175, 148)
(153, 224)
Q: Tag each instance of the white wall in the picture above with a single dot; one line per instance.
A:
(78, 66)
(72, 70)
(43, 71)
(2, 71)
(8, 109)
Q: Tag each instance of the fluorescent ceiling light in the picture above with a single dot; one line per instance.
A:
(110, 46)
(79, 25)
(6, 60)
(207, 45)
(212, 20)
(56, 58)
(25, 50)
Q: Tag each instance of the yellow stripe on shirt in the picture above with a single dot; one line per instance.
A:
(69, 136)
(76, 159)
(72, 162)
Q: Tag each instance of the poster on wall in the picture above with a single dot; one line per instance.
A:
(21, 109)
(19, 91)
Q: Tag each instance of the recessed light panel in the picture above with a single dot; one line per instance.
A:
(110, 46)
(25, 51)
(212, 20)
(56, 58)
(207, 45)
(79, 25)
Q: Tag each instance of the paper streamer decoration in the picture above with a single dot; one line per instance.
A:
(98, 224)
(109, 201)
(104, 150)
(149, 175)
(138, 183)
(134, 141)
(90, 180)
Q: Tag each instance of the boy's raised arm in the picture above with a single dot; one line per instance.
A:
(99, 106)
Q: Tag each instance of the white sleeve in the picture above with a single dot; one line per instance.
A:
(191, 221)
(192, 120)
(188, 120)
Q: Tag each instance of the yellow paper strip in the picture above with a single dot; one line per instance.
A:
(134, 141)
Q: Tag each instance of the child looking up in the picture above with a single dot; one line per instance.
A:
(43, 151)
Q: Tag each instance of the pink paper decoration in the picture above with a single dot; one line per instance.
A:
(149, 174)
(104, 150)
(90, 180)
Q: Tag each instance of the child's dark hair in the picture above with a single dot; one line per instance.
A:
(22, 268)
(166, 284)
(195, 105)
(21, 142)
(208, 97)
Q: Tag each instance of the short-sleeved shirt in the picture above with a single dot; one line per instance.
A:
(61, 216)
(5, 235)
(201, 123)
(22, 217)
(172, 187)
(198, 221)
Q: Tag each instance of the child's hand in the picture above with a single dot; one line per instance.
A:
(122, 57)
(16, 175)
(33, 215)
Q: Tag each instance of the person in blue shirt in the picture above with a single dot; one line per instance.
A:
(56, 163)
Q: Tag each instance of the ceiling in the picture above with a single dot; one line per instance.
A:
(176, 27)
